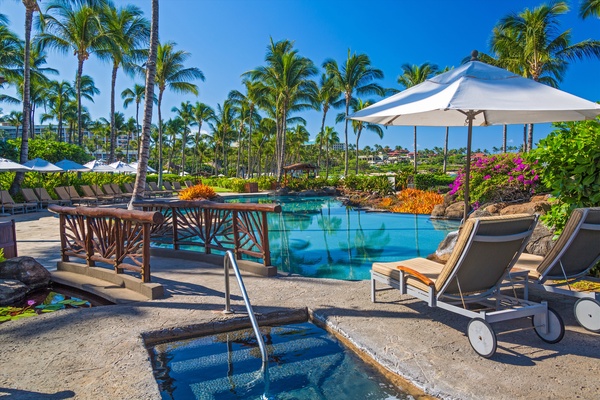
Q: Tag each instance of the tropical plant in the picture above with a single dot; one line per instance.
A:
(198, 192)
(327, 95)
(59, 94)
(355, 76)
(414, 201)
(589, 8)
(185, 113)
(328, 136)
(172, 74)
(200, 112)
(126, 30)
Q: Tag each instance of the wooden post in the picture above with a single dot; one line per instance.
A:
(207, 224)
(175, 236)
(265, 240)
(118, 228)
(63, 239)
(89, 242)
(236, 239)
(146, 252)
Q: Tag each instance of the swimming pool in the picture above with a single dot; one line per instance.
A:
(305, 362)
(320, 237)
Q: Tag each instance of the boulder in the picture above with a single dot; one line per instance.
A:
(539, 197)
(12, 291)
(455, 210)
(495, 208)
(481, 212)
(442, 254)
(439, 210)
(540, 207)
(541, 241)
(330, 190)
(26, 270)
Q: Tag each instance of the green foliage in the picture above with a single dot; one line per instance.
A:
(53, 302)
(432, 181)
(2, 258)
(569, 163)
(49, 150)
(9, 150)
(379, 184)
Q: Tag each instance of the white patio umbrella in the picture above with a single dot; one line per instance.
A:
(7, 165)
(120, 166)
(148, 168)
(40, 165)
(96, 166)
(477, 94)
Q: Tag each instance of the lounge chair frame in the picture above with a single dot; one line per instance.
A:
(493, 306)
(587, 308)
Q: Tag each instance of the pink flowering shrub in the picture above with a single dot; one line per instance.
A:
(500, 177)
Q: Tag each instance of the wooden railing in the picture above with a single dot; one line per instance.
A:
(114, 236)
(241, 227)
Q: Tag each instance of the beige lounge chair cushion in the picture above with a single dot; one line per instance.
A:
(529, 262)
(430, 269)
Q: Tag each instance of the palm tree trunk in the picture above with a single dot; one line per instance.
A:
(446, 149)
(19, 176)
(197, 141)
(113, 136)
(525, 138)
(504, 133)
(160, 139)
(530, 138)
(137, 126)
(327, 158)
(357, 139)
(60, 127)
(183, 143)
(79, 73)
(140, 179)
(415, 148)
(32, 121)
(249, 173)
(346, 135)
(325, 109)
(171, 152)
(239, 152)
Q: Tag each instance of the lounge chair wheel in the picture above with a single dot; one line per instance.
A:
(587, 313)
(556, 327)
(482, 337)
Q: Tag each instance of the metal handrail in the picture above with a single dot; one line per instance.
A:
(230, 261)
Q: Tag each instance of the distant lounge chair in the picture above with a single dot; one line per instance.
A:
(71, 193)
(168, 186)
(101, 194)
(117, 190)
(31, 198)
(8, 204)
(572, 257)
(89, 193)
(155, 189)
(177, 186)
(189, 183)
(44, 196)
(470, 282)
(107, 187)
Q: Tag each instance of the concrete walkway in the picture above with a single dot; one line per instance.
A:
(99, 353)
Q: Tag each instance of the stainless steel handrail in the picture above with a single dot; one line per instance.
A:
(230, 261)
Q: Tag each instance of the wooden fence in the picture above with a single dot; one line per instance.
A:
(114, 236)
(241, 227)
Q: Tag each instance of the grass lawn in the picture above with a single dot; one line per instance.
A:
(220, 189)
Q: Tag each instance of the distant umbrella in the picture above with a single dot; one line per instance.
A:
(7, 165)
(96, 166)
(120, 166)
(39, 165)
(148, 168)
(72, 166)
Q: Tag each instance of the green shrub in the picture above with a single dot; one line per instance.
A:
(432, 181)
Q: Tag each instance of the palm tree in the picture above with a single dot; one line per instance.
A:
(589, 8)
(287, 77)
(15, 118)
(329, 137)
(200, 112)
(355, 76)
(126, 30)
(223, 127)
(144, 152)
(530, 44)
(59, 94)
(171, 74)
(186, 113)
(76, 27)
(413, 75)
(327, 96)
(135, 95)
(10, 52)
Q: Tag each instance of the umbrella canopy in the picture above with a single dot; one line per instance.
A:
(7, 165)
(135, 166)
(477, 94)
(39, 165)
(96, 166)
(120, 166)
(68, 165)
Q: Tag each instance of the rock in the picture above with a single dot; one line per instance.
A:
(455, 210)
(308, 193)
(449, 199)
(330, 190)
(539, 197)
(26, 270)
(12, 291)
(541, 241)
(442, 254)
(526, 208)
(284, 191)
(481, 212)
(439, 210)
(495, 208)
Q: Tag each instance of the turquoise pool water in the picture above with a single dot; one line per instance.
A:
(319, 237)
(305, 363)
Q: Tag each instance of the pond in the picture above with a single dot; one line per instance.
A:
(320, 237)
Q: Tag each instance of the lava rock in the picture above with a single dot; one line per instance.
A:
(12, 291)
(26, 270)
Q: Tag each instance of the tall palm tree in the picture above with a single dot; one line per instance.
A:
(171, 74)
(223, 127)
(589, 8)
(126, 31)
(15, 118)
(134, 95)
(287, 77)
(530, 44)
(200, 112)
(76, 27)
(186, 113)
(144, 152)
(413, 75)
(59, 95)
(327, 95)
(355, 76)
(10, 52)
(359, 126)
(329, 137)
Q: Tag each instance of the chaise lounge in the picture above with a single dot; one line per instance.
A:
(469, 283)
(572, 257)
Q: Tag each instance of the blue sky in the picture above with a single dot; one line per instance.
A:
(229, 37)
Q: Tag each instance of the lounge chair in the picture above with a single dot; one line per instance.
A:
(44, 196)
(159, 192)
(575, 252)
(177, 186)
(31, 198)
(169, 188)
(189, 183)
(129, 190)
(107, 187)
(470, 282)
(117, 190)
(101, 194)
(8, 204)
(71, 193)
(89, 193)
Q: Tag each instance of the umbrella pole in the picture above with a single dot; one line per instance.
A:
(470, 116)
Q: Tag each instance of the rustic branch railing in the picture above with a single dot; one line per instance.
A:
(113, 236)
(241, 227)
